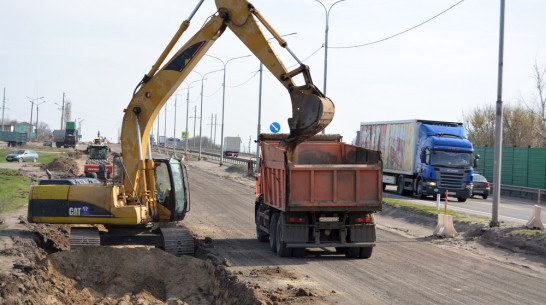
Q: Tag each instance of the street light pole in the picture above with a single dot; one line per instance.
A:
(224, 103)
(327, 11)
(498, 128)
(201, 114)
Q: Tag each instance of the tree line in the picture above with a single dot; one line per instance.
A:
(523, 124)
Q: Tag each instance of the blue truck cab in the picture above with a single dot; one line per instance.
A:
(444, 161)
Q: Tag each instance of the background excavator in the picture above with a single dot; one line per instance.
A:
(152, 194)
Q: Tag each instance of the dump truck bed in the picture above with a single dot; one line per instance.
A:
(324, 175)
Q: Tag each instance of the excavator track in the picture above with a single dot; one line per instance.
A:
(178, 241)
(83, 237)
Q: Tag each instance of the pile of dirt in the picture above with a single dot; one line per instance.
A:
(68, 166)
(107, 275)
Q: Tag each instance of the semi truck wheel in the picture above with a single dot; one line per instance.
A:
(273, 232)
(419, 192)
(282, 250)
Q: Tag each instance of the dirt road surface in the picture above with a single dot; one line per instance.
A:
(408, 265)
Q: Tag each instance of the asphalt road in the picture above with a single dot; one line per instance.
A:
(513, 209)
(402, 270)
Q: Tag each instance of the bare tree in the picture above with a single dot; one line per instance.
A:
(480, 126)
(519, 127)
(537, 104)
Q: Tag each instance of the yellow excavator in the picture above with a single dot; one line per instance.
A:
(143, 206)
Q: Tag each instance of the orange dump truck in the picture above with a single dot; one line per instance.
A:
(324, 195)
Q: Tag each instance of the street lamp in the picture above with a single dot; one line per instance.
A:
(37, 113)
(31, 110)
(260, 108)
(327, 11)
(188, 114)
(223, 104)
(201, 115)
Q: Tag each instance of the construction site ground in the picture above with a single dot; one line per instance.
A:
(36, 266)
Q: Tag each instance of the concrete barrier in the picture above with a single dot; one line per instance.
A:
(445, 226)
(535, 222)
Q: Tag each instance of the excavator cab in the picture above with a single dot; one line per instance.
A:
(171, 189)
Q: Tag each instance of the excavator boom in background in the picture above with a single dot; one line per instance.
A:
(153, 193)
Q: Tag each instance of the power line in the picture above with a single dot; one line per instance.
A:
(400, 33)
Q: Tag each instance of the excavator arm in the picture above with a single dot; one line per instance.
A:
(311, 110)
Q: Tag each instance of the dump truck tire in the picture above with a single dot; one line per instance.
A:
(282, 250)
(273, 232)
(260, 235)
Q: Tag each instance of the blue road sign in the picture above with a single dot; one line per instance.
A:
(184, 135)
(275, 127)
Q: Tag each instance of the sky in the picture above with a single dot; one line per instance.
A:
(95, 52)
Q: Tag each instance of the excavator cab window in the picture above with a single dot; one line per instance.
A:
(171, 187)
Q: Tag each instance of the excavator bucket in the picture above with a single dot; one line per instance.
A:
(311, 113)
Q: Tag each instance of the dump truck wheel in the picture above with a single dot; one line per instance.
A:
(260, 235)
(365, 252)
(282, 250)
(352, 252)
(273, 232)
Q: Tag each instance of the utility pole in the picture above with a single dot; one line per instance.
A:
(31, 110)
(165, 130)
(3, 107)
(194, 123)
(211, 122)
(37, 113)
(174, 127)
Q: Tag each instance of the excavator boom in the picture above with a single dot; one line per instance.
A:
(311, 110)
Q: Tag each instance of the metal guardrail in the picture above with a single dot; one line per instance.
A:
(211, 156)
(524, 191)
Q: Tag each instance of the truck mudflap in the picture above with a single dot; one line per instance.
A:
(331, 245)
